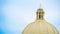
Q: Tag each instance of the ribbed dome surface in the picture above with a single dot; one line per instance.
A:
(40, 27)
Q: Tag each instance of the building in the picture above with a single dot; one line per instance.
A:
(40, 26)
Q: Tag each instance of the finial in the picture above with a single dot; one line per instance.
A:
(40, 6)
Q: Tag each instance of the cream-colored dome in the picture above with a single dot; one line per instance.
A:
(40, 26)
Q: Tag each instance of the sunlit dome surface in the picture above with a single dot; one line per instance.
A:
(40, 26)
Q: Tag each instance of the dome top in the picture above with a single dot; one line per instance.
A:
(40, 26)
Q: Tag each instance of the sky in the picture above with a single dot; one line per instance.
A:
(15, 15)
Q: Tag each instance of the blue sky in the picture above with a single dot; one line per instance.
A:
(15, 15)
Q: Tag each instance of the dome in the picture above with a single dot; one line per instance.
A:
(40, 26)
